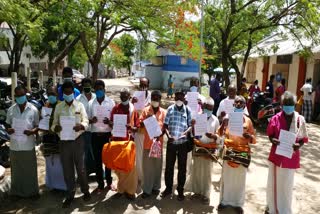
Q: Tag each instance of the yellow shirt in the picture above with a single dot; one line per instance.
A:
(76, 109)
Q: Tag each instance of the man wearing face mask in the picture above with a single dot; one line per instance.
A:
(282, 169)
(233, 180)
(139, 135)
(24, 175)
(177, 121)
(51, 149)
(200, 180)
(127, 182)
(101, 132)
(67, 74)
(85, 98)
(72, 151)
(152, 167)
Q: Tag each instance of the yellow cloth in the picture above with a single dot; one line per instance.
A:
(127, 182)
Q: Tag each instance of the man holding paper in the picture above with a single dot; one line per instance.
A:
(234, 170)
(22, 121)
(99, 115)
(124, 120)
(287, 133)
(70, 121)
(177, 122)
(205, 129)
(140, 100)
(152, 167)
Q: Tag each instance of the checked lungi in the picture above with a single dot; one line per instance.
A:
(307, 110)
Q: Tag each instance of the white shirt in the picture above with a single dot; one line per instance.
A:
(108, 104)
(227, 105)
(306, 89)
(83, 99)
(31, 116)
(76, 109)
(212, 127)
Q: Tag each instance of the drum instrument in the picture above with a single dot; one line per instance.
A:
(207, 151)
(239, 154)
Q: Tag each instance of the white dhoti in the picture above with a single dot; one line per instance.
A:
(279, 189)
(199, 182)
(138, 140)
(233, 185)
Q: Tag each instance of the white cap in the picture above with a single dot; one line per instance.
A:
(2, 171)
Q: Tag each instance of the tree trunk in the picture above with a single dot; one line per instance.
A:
(95, 69)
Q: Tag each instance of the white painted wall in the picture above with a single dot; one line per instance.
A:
(259, 74)
(273, 60)
(293, 74)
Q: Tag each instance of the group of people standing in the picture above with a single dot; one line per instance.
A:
(177, 123)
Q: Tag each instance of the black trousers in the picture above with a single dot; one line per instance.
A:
(98, 141)
(174, 151)
(72, 157)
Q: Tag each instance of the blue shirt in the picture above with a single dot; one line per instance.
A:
(178, 122)
(76, 93)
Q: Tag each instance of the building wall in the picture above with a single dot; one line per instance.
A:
(293, 74)
(154, 74)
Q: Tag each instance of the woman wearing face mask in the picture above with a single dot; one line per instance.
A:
(50, 140)
(152, 167)
(233, 181)
(281, 169)
(200, 180)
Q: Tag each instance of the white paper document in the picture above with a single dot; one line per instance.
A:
(152, 127)
(229, 108)
(67, 123)
(101, 112)
(192, 98)
(287, 139)
(236, 123)
(44, 122)
(19, 127)
(119, 125)
(141, 96)
(200, 128)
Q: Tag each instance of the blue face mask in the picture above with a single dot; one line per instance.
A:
(21, 100)
(238, 110)
(125, 102)
(100, 93)
(68, 98)
(288, 109)
(208, 112)
(52, 99)
(193, 89)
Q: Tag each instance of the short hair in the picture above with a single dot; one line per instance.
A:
(125, 90)
(309, 80)
(67, 85)
(239, 97)
(232, 87)
(67, 70)
(287, 95)
(146, 78)
(209, 101)
(283, 81)
(20, 87)
(244, 79)
(156, 93)
(86, 80)
(256, 82)
(272, 76)
(99, 83)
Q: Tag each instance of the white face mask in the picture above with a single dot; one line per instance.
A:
(155, 104)
(179, 103)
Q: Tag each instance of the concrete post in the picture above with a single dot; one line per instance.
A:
(54, 78)
(14, 82)
(29, 79)
(41, 79)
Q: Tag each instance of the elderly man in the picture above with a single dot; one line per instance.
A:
(227, 104)
(200, 179)
(281, 168)
(72, 151)
(177, 122)
(232, 192)
(152, 167)
(23, 119)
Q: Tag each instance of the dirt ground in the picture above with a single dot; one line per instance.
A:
(305, 195)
